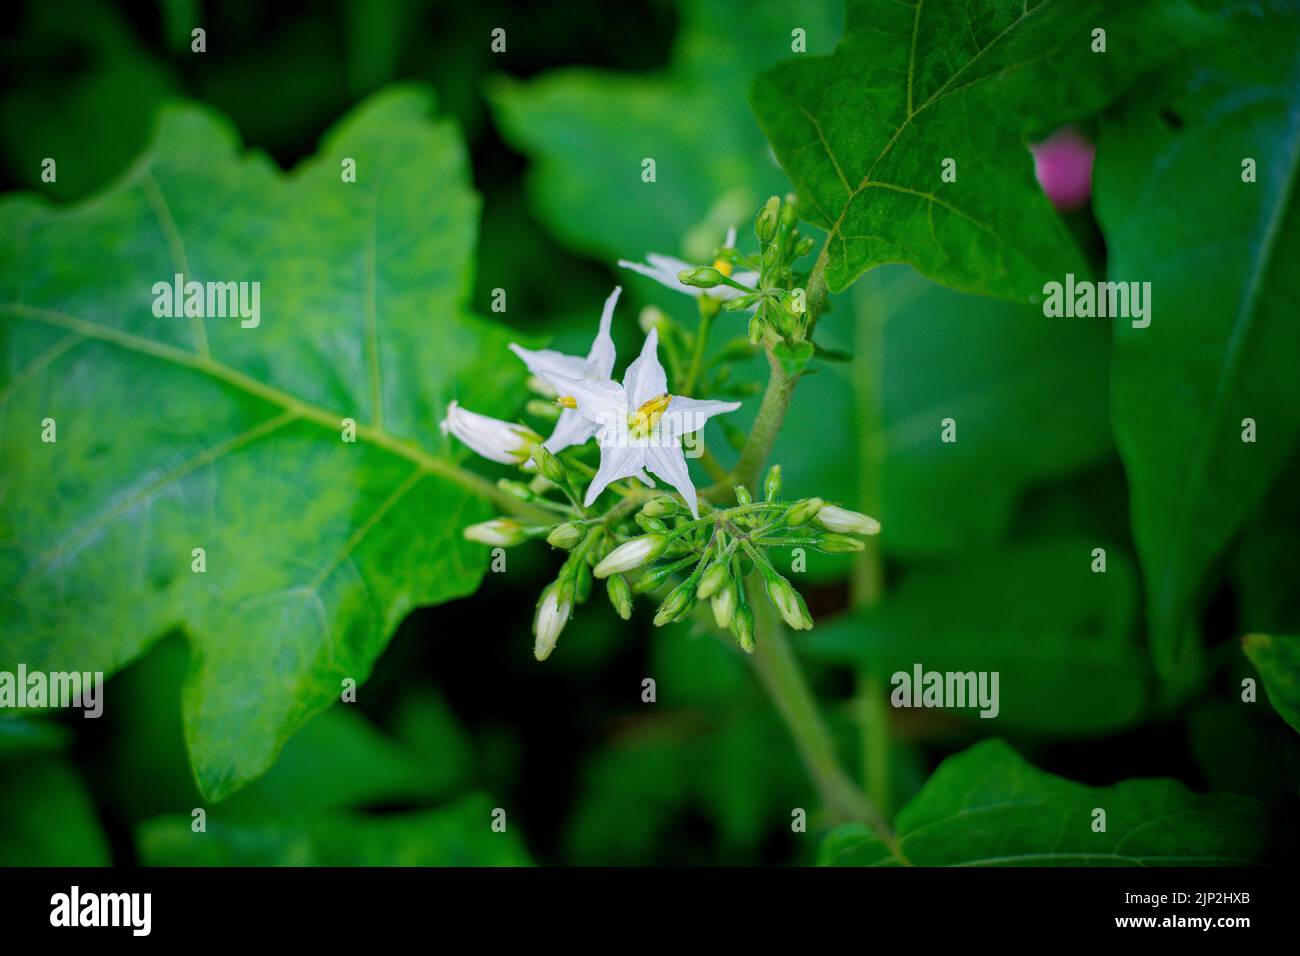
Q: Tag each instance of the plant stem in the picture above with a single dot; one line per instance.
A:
(708, 309)
(784, 681)
(780, 386)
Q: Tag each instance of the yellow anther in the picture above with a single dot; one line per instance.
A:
(723, 266)
(567, 401)
(647, 416)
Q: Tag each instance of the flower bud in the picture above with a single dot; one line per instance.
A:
(659, 506)
(768, 218)
(715, 576)
(804, 246)
(838, 544)
(499, 533)
(582, 582)
(772, 484)
(506, 442)
(679, 602)
(789, 602)
(743, 497)
(540, 409)
(803, 511)
(835, 518)
(565, 535)
(724, 604)
(632, 554)
(517, 489)
(620, 595)
(742, 303)
(552, 468)
(789, 211)
(742, 625)
(649, 524)
(552, 614)
(703, 277)
(652, 317)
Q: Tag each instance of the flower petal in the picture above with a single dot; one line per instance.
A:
(686, 415)
(602, 402)
(548, 362)
(670, 465)
(600, 360)
(645, 378)
(572, 429)
(616, 461)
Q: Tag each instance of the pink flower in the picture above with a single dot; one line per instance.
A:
(1063, 164)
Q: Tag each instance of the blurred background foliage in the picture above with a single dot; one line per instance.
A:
(458, 718)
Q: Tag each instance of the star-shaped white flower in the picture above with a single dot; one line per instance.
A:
(640, 426)
(664, 269)
(552, 366)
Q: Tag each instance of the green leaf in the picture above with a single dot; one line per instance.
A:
(1027, 394)
(1278, 661)
(794, 358)
(47, 817)
(864, 133)
(988, 807)
(20, 736)
(587, 132)
(1036, 614)
(459, 834)
(1222, 344)
(177, 434)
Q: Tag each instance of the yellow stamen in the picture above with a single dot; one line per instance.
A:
(567, 401)
(647, 416)
(723, 266)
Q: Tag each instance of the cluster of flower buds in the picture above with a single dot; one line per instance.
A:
(615, 523)
(776, 295)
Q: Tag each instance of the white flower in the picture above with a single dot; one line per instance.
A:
(507, 442)
(552, 615)
(547, 364)
(835, 518)
(639, 425)
(664, 269)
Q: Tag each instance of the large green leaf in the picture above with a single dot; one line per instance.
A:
(1036, 614)
(588, 131)
(1224, 342)
(459, 834)
(988, 807)
(176, 434)
(1278, 660)
(864, 133)
(1027, 395)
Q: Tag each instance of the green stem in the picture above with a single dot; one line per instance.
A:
(779, 672)
(708, 309)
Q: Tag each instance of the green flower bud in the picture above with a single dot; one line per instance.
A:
(516, 489)
(772, 484)
(703, 277)
(804, 246)
(620, 595)
(660, 506)
(649, 524)
(789, 602)
(541, 409)
(582, 582)
(715, 576)
(679, 602)
(550, 466)
(789, 212)
(632, 554)
(565, 535)
(724, 604)
(742, 302)
(802, 512)
(742, 625)
(652, 317)
(768, 219)
(499, 533)
(838, 544)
